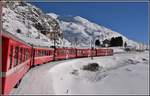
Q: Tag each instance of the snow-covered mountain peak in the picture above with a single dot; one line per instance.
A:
(80, 29)
(53, 15)
(81, 19)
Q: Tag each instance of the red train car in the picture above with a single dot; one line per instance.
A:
(93, 52)
(42, 55)
(79, 53)
(16, 61)
(83, 52)
(18, 57)
(100, 52)
(86, 52)
(110, 51)
(104, 52)
(60, 53)
(70, 53)
(65, 53)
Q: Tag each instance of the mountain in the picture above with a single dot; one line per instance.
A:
(26, 21)
(76, 27)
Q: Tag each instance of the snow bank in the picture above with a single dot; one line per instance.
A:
(120, 74)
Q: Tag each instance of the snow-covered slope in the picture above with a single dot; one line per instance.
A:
(76, 27)
(121, 74)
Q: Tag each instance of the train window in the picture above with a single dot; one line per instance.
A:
(60, 51)
(37, 53)
(34, 53)
(11, 55)
(63, 52)
(49, 53)
(21, 55)
(42, 52)
(24, 54)
(16, 56)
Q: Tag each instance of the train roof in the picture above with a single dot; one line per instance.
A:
(12, 36)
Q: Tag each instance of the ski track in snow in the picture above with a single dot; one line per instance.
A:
(128, 74)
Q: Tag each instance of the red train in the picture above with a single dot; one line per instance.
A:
(18, 57)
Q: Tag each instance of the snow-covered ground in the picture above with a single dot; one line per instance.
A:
(124, 73)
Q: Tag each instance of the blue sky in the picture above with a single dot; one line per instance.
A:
(127, 18)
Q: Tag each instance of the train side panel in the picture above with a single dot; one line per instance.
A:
(15, 63)
(70, 53)
(60, 53)
(42, 55)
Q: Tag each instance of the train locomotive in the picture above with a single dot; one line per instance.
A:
(18, 57)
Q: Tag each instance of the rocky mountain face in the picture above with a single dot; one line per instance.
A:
(28, 23)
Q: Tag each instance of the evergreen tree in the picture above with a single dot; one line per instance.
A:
(97, 43)
(106, 41)
(116, 41)
(112, 42)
